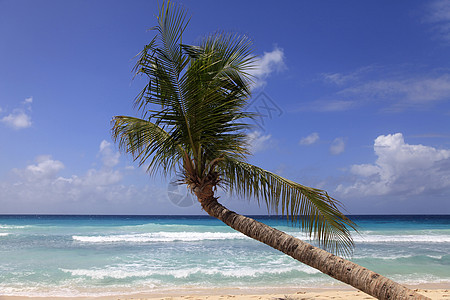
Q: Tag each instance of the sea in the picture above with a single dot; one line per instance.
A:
(72, 255)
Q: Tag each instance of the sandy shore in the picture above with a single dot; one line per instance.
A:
(223, 294)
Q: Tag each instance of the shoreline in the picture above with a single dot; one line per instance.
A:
(433, 291)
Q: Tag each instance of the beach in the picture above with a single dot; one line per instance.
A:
(223, 294)
(197, 257)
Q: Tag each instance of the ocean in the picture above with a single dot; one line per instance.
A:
(52, 255)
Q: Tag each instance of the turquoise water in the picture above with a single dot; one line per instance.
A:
(103, 255)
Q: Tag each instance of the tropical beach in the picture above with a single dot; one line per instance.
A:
(139, 257)
(210, 183)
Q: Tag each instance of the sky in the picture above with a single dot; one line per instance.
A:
(353, 97)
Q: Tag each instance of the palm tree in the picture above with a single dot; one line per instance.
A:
(193, 124)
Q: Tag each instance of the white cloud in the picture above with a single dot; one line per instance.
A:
(270, 62)
(109, 157)
(336, 78)
(348, 78)
(42, 187)
(258, 141)
(310, 139)
(392, 89)
(400, 169)
(438, 14)
(18, 119)
(45, 167)
(96, 178)
(406, 92)
(337, 146)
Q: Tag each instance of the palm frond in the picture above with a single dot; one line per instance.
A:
(146, 141)
(164, 62)
(217, 91)
(194, 123)
(316, 212)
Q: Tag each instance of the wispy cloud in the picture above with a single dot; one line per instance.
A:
(337, 146)
(438, 14)
(400, 169)
(391, 90)
(310, 139)
(332, 105)
(406, 92)
(349, 77)
(336, 78)
(266, 64)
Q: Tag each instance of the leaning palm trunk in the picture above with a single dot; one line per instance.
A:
(337, 267)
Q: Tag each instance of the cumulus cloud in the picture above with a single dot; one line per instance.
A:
(400, 169)
(109, 157)
(40, 186)
(337, 146)
(267, 64)
(310, 139)
(45, 167)
(19, 118)
(258, 141)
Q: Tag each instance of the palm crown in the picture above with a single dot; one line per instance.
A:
(194, 123)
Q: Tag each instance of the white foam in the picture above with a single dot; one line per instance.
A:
(239, 272)
(383, 256)
(116, 273)
(385, 238)
(186, 236)
(123, 272)
(160, 237)
(3, 226)
(411, 238)
(4, 233)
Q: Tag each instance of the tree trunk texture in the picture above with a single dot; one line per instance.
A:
(337, 267)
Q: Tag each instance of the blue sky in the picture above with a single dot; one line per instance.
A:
(356, 98)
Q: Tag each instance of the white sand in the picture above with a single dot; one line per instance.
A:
(223, 294)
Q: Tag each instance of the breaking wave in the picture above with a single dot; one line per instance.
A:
(160, 237)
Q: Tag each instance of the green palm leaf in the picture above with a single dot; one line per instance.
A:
(194, 123)
(146, 141)
(315, 211)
